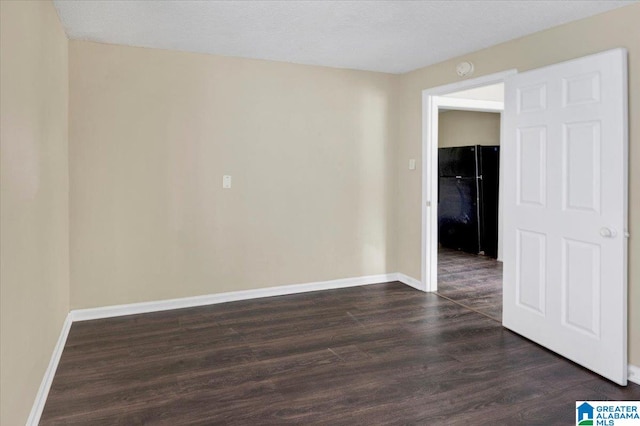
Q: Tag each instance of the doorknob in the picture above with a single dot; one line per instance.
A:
(607, 232)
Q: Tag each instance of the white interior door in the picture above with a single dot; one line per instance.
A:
(565, 219)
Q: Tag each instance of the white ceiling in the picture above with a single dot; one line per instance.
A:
(388, 36)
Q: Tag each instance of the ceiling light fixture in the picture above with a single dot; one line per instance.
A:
(464, 69)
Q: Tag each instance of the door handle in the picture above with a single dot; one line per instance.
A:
(608, 232)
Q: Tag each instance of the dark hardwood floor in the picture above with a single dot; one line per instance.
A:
(378, 354)
(471, 280)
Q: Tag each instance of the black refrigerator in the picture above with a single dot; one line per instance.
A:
(468, 198)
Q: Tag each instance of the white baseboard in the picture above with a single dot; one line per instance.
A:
(410, 281)
(212, 299)
(634, 374)
(47, 379)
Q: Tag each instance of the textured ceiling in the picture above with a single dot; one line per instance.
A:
(388, 36)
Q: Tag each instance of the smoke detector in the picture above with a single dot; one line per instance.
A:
(464, 69)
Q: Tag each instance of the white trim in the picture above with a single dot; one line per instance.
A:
(469, 104)
(47, 379)
(410, 281)
(634, 374)
(212, 299)
(431, 100)
(458, 86)
(501, 182)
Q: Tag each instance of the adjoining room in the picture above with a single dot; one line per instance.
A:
(469, 215)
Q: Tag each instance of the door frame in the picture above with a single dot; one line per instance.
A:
(432, 100)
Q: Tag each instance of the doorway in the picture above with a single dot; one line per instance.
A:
(459, 97)
(469, 272)
(565, 205)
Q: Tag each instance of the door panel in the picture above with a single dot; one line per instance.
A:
(565, 222)
(531, 265)
(581, 89)
(531, 145)
(581, 166)
(581, 286)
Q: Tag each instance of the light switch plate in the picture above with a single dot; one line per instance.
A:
(412, 164)
(226, 181)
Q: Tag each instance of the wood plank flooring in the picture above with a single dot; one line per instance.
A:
(378, 354)
(471, 280)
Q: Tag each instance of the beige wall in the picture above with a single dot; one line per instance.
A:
(618, 28)
(34, 220)
(152, 132)
(464, 128)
